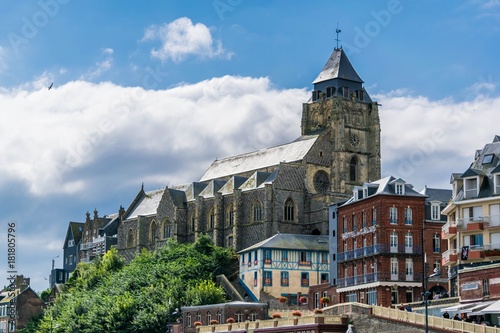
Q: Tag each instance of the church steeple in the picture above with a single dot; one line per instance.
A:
(341, 111)
(338, 78)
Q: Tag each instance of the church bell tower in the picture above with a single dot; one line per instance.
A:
(341, 109)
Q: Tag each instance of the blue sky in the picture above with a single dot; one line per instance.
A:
(154, 91)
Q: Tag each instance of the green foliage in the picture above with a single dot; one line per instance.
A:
(205, 292)
(44, 295)
(108, 296)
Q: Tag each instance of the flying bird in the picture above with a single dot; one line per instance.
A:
(51, 85)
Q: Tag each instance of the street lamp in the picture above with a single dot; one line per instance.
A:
(426, 293)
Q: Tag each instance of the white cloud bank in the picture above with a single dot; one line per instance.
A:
(56, 141)
(63, 140)
(181, 38)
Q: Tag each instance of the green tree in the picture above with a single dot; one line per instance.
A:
(205, 292)
(108, 296)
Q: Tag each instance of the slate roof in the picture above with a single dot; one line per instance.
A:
(178, 197)
(147, 205)
(338, 66)
(292, 241)
(194, 189)
(386, 186)
(76, 228)
(484, 170)
(266, 157)
(232, 184)
(437, 194)
(212, 187)
(255, 180)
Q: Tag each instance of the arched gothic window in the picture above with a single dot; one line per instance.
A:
(153, 228)
(229, 216)
(257, 211)
(130, 238)
(353, 169)
(166, 229)
(289, 213)
(211, 218)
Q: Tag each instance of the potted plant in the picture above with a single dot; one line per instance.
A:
(197, 323)
(324, 300)
(282, 299)
(230, 320)
(318, 316)
(276, 315)
(214, 322)
(296, 313)
(303, 299)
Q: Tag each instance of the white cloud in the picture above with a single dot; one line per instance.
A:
(425, 141)
(52, 141)
(57, 141)
(181, 38)
(100, 67)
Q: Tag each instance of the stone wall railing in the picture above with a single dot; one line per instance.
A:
(433, 322)
(250, 326)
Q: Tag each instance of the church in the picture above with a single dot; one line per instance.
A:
(244, 199)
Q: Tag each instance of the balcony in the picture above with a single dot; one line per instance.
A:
(449, 230)
(449, 257)
(377, 277)
(492, 250)
(379, 249)
(478, 222)
(476, 252)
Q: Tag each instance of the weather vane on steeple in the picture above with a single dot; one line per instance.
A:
(338, 31)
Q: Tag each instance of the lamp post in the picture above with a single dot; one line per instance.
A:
(426, 293)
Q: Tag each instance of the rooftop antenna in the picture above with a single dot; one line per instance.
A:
(338, 31)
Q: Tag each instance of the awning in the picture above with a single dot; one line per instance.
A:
(458, 307)
(476, 309)
(493, 308)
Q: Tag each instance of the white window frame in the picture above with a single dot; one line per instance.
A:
(408, 216)
(436, 243)
(399, 188)
(409, 269)
(394, 242)
(435, 211)
(408, 242)
(393, 215)
(471, 187)
(394, 269)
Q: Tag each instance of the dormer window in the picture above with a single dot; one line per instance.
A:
(400, 188)
(435, 211)
(360, 95)
(355, 193)
(345, 92)
(365, 192)
(471, 187)
(315, 95)
(487, 159)
(330, 91)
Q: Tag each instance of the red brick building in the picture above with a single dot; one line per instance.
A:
(380, 242)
